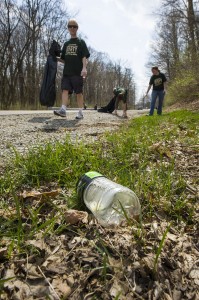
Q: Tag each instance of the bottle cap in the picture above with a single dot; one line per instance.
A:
(84, 181)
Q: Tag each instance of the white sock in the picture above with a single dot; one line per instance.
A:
(81, 112)
(63, 106)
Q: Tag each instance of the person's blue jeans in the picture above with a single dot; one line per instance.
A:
(156, 94)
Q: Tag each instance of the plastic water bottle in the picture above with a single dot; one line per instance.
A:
(110, 203)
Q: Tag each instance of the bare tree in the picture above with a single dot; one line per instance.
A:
(176, 49)
(8, 24)
(103, 76)
(176, 35)
(27, 31)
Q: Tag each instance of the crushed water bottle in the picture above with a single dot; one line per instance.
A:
(110, 203)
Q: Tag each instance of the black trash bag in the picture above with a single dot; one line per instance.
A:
(109, 108)
(48, 87)
(55, 50)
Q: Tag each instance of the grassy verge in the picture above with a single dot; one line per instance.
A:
(154, 156)
(144, 156)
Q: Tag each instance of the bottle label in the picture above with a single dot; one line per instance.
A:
(84, 181)
(93, 174)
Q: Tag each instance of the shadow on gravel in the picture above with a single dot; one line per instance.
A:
(57, 124)
(64, 123)
(39, 119)
(51, 125)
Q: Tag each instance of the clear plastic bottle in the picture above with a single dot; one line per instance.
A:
(110, 203)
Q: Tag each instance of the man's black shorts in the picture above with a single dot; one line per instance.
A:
(72, 84)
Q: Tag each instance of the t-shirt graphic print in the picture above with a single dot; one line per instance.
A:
(71, 49)
(158, 81)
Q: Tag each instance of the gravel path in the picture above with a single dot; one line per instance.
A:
(25, 129)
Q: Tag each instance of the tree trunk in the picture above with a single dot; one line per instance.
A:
(191, 27)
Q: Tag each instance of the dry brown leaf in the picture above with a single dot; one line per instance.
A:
(194, 274)
(177, 295)
(116, 263)
(148, 262)
(40, 244)
(32, 272)
(10, 277)
(36, 194)
(8, 213)
(62, 288)
(56, 268)
(171, 237)
(3, 253)
(75, 216)
(116, 289)
(158, 147)
(23, 290)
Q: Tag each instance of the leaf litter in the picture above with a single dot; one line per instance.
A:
(83, 260)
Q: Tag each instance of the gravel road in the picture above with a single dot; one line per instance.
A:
(25, 129)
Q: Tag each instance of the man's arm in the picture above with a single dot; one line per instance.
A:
(149, 87)
(165, 86)
(84, 70)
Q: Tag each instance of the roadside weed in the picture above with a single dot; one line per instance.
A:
(145, 155)
(160, 248)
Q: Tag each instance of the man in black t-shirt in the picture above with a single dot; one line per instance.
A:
(158, 81)
(74, 56)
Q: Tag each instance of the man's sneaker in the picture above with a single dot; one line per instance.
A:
(124, 116)
(114, 113)
(60, 112)
(79, 116)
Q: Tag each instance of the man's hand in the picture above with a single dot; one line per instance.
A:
(60, 60)
(84, 73)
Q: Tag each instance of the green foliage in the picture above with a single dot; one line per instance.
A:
(184, 87)
(160, 248)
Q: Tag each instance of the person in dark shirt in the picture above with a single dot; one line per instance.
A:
(74, 55)
(121, 95)
(158, 82)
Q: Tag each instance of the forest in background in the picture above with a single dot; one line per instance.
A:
(176, 48)
(27, 30)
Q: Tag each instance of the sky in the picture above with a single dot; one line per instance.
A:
(123, 29)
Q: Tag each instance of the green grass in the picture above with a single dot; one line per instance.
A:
(140, 156)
